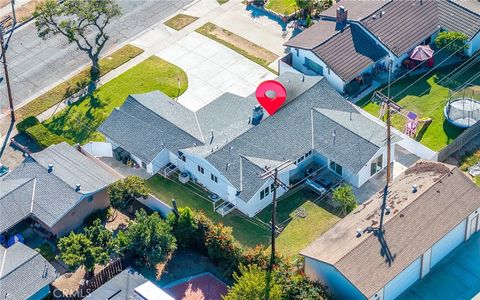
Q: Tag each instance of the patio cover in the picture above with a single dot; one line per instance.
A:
(422, 53)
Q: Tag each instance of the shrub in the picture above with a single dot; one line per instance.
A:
(451, 41)
(344, 196)
(184, 227)
(43, 137)
(123, 192)
(46, 250)
(28, 122)
(255, 256)
(102, 214)
(222, 248)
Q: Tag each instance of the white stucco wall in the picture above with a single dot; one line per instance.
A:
(328, 275)
(162, 159)
(402, 281)
(298, 61)
(364, 174)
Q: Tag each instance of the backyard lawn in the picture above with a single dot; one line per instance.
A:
(283, 7)
(80, 121)
(300, 231)
(469, 160)
(426, 98)
(247, 232)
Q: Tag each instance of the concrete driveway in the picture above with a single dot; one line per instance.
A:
(212, 70)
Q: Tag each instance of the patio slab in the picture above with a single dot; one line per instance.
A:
(212, 70)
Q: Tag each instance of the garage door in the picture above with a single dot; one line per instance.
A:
(403, 280)
(448, 243)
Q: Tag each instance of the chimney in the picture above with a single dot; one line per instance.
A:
(77, 187)
(50, 168)
(342, 14)
(257, 114)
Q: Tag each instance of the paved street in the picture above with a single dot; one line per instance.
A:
(35, 64)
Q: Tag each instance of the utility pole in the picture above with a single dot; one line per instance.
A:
(5, 66)
(273, 174)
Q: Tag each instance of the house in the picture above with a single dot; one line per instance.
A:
(360, 39)
(227, 144)
(56, 188)
(129, 284)
(432, 208)
(24, 273)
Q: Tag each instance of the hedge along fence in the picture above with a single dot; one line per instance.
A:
(76, 83)
(39, 133)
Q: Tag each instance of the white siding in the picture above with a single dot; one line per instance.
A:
(403, 280)
(328, 275)
(364, 173)
(449, 242)
(160, 160)
(474, 45)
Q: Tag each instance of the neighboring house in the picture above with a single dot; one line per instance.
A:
(24, 273)
(355, 38)
(129, 284)
(431, 209)
(227, 144)
(57, 188)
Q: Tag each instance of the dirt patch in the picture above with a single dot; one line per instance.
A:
(237, 43)
(69, 282)
(180, 21)
(4, 3)
(119, 221)
(25, 11)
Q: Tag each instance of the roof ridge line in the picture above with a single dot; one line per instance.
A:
(199, 127)
(403, 209)
(23, 263)
(317, 110)
(29, 179)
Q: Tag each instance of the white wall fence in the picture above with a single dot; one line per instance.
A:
(156, 204)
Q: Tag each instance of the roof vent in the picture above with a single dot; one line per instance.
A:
(50, 168)
(387, 210)
(414, 188)
(358, 232)
(257, 114)
(77, 187)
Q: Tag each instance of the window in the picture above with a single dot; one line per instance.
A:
(214, 178)
(377, 165)
(298, 52)
(264, 193)
(200, 169)
(310, 64)
(183, 158)
(336, 167)
(144, 165)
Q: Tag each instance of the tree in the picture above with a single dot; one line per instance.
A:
(451, 41)
(82, 22)
(77, 250)
(149, 238)
(252, 282)
(100, 236)
(184, 227)
(344, 196)
(125, 191)
(306, 5)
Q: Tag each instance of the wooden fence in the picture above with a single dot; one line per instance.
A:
(91, 285)
(459, 142)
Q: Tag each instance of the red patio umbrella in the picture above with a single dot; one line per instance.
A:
(422, 53)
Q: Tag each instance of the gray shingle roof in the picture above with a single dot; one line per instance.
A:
(288, 135)
(143, 131)
(120, 287)
(23, 272)
(31, 189)
(357, 9)
(350, 52)
(445, 197)
(405, 24)
(317, 34)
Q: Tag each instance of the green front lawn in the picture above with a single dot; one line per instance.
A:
(246, 231)
(283, 7)
(80, 121)
(426, 98)
(300, 232)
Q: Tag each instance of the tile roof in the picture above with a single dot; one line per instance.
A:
(317, 34)
(357, 9)
(350, 52)
(444, 198)
(23, 272)
(402, 25)
(31, 190)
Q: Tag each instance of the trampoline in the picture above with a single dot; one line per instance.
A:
(462, 112)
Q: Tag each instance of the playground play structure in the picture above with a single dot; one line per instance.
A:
(413, 121)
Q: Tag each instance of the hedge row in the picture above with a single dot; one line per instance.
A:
(44, 137)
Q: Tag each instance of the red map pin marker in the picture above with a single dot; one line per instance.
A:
(271, 95)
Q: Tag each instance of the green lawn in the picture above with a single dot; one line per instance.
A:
(283, 7)
(245, 231)
(426, 98)
(80, 121)
(299, 232)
